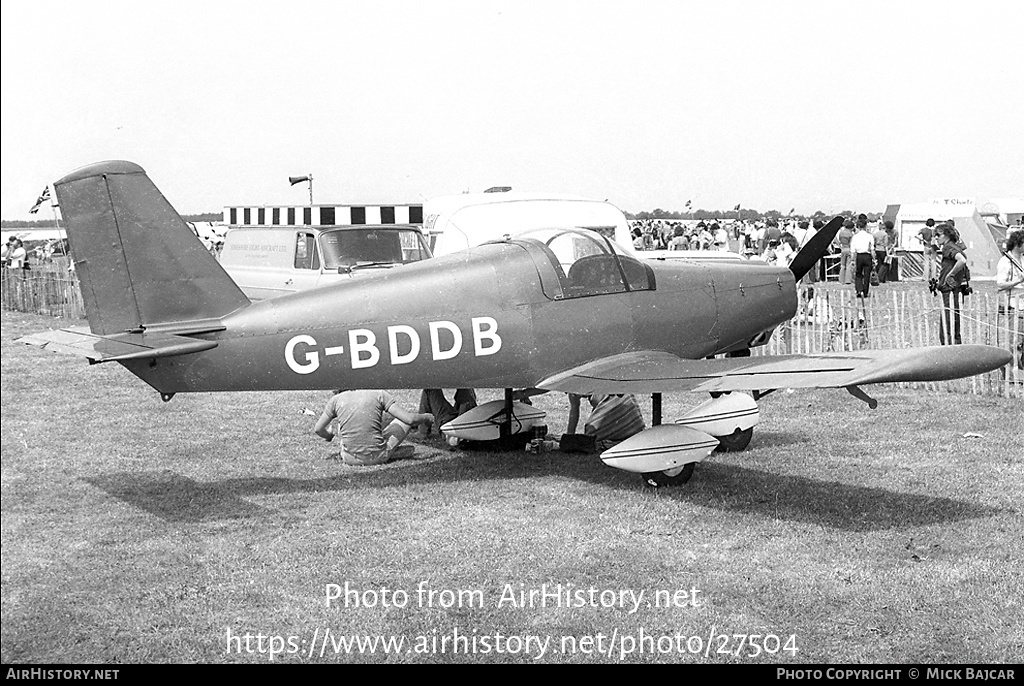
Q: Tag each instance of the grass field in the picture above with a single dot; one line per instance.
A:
(140, 531)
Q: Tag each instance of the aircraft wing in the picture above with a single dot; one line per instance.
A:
(661, 372)
(117, 347)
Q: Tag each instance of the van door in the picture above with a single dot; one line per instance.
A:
(306, 263)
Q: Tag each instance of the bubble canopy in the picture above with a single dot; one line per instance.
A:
(585, 263)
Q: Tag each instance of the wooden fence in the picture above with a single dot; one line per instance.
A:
(50, 289)
(836, 320)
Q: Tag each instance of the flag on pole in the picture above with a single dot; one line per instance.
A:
(43, 197)
(736, 209)
(791, 211)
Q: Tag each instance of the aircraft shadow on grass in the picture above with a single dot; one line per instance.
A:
(730, 488)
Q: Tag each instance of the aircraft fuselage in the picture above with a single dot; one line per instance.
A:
(492, 317)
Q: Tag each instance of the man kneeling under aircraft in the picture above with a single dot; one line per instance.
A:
(613, 418)
(357, 417)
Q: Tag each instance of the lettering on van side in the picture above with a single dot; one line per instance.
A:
(256, 247)
(303, 353)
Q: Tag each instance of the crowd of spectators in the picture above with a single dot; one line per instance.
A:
(774, 241)
(656, 234)
(18, 255)
(771, 240)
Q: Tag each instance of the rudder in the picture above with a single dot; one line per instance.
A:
(138, 263)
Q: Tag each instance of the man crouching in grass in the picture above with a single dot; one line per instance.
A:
(360, 425)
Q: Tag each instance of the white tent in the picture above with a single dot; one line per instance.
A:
(982, 251)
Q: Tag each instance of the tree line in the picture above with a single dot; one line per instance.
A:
(10, 224)
(743, 213)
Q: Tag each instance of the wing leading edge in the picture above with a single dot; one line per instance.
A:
(661, 372)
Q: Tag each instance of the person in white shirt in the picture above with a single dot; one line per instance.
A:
(862, 247)
(16, 255)
(799, 231)
(748, 238)
(787, 250)
(759, 238)
(721, 238)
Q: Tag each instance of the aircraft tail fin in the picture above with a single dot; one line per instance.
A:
(137, 261)
(815, 248)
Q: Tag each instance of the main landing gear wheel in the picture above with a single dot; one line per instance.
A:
(735, 442)
(669, 477)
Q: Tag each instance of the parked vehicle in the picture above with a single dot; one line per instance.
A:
(270, 261)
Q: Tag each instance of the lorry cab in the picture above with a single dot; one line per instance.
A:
(269, 260)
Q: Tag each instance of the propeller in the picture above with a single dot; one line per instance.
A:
(815, 248)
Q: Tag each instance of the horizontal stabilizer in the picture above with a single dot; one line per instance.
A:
(660, 372)
(118, 347)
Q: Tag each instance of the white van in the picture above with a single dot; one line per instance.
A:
(457, 222)
(271, 260)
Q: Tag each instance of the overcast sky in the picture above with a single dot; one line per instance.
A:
(812, 105)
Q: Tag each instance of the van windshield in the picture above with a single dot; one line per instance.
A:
(354, 246)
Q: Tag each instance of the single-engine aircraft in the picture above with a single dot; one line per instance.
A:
(557, 309)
